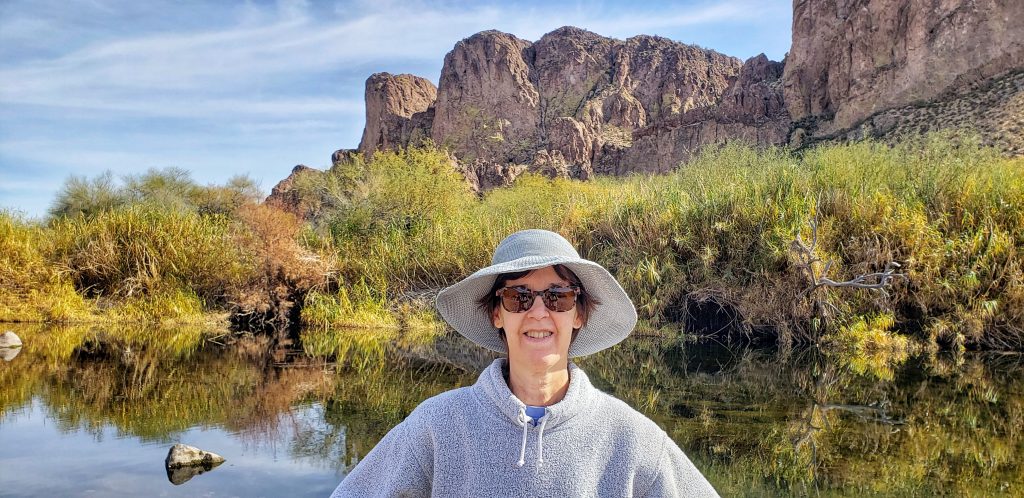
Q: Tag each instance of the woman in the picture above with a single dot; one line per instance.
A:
(532, 425)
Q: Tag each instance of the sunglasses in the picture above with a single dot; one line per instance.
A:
(520, 299)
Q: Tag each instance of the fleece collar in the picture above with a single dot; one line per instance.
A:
(492, 389)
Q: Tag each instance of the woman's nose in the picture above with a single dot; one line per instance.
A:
(537, 309)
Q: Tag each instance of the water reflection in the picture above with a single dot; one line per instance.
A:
(756, 422)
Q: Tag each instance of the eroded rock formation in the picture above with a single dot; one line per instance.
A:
(287, 197)
(572, 102)
(396, 111)
(854, 59)
(575, 103)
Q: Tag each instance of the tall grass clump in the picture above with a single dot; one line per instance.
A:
(146, 250)
(31, 286)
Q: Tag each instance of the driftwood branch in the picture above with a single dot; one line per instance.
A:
(809, 259)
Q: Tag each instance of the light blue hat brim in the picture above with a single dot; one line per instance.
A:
(608, 324)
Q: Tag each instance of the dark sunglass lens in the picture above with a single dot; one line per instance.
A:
(516, 300)
(560, 299)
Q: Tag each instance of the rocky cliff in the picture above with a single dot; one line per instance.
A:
(398, 111)
(572, 102)
(575, 103)
(854, 60)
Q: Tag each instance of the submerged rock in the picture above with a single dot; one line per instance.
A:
(185, 462)
(10, 340)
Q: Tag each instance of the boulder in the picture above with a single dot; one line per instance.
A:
(287, 197)
(183, 455)
(396, 111)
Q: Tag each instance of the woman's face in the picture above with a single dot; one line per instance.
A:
(538, 336)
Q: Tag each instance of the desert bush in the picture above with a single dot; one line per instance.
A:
(143, 249)
(722, 227)
(31, 286)
(168, 188)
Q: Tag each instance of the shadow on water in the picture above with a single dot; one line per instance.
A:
(757, 422)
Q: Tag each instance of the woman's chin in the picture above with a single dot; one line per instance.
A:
(539, 357)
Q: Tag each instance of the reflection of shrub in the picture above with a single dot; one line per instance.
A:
(868, 346)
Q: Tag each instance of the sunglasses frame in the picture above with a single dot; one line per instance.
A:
(550, 291)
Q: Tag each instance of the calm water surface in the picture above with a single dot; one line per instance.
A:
(93, 412)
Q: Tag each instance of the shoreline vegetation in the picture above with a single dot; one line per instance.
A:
(740, 244)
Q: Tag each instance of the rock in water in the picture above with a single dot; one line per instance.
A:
(183, 455)
(185, 462)
(10, 340)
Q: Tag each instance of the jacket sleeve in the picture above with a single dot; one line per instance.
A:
(397, 466)
(677, 476)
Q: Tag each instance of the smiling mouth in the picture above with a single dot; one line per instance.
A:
(539, 334)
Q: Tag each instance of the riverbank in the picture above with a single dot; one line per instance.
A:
(739, 244)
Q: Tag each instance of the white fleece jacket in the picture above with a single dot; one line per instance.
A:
(475, 441)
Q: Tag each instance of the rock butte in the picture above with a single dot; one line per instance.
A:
(575, 104)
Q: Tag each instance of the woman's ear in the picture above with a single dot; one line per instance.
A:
(496, 318)
(578, 322)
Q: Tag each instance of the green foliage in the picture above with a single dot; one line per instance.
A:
(31, 286)
(720, 228)
(169, 188)
(948, 211)
(144, 250)
(355, 306)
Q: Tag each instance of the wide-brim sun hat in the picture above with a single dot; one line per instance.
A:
(608, 324)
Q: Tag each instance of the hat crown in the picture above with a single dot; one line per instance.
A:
(534, 242)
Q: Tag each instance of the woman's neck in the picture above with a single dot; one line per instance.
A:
(539, 386)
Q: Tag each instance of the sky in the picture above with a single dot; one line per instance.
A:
(223, 88)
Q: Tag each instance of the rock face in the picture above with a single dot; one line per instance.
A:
(396, 111)
(853, 59)
(287, 197)
(575, 103)
(560, 106)
(750, 109)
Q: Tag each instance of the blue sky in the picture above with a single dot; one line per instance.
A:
(223, 88)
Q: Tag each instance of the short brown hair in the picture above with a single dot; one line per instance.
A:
(585, 303)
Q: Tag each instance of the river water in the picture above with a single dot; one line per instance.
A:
(92, 412)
